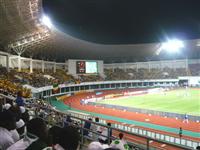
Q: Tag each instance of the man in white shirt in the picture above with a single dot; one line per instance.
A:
(7, 123)
(6, 138)
(120, 143)
(23, 143)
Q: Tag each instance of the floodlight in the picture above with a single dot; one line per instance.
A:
(198, 43)
(47, 21)
(172, 46)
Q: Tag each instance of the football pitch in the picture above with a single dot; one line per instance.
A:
(178, 101)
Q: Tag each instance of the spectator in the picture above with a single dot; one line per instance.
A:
(67, 121)
(53, 135)
(198, 147)
(97, 146)
(20, 127)
(95, 128)
(180, 132)
(15, 135)
(25, 115)
(120, 143)
(19, 100)
(16, 111)
(6, 106)
(86, 127)
(7, 123)
(68, 139)
(107, 132)
(24, 142)
(37, 129)
(110, 148)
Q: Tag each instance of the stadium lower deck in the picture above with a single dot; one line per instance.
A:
(168, 126)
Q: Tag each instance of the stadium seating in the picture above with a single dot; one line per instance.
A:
(194, 69)
(141, 74)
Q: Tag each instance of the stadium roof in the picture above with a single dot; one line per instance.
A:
(20, 26)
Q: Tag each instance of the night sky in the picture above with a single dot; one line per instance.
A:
(126, 21)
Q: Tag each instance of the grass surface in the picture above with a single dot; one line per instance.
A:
(177, 101)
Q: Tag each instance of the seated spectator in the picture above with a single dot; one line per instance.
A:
(67, 121)
(120, 143)
(7, 123)
(97, 146)
(20, 126)
(53, 135)
(95, 128)
(68, 139)
(25, 115)
(15, 135)
(37, 129)
(198, 147)
(86, 127)
(19, 122)
(110, 148)
(107, 132)
(28, 139)
(6, 106)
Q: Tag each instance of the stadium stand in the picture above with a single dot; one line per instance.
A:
(25, 119)
(194, 69)
(141, 74)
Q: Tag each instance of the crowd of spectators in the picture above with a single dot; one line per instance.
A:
(47, 78)
(10, 88)
(34, 124)
(194, 69)
(89, 78)
(40, 79)
(141, 74)
(19, 130)
(36, 79)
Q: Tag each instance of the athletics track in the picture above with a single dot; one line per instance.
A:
(169, 126)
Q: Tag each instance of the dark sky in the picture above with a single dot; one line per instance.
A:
(126, 21)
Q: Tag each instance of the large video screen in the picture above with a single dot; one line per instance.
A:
(91, 67)
(86, 67)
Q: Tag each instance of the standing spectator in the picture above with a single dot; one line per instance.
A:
(180, 132)
(19, 100)
(7, 123)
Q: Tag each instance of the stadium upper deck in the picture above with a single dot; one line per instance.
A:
(21, 27)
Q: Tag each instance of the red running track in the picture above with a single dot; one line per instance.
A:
(158, 120)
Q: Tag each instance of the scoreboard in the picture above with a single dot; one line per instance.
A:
(83, 67)
(80, 67)
(86, 67)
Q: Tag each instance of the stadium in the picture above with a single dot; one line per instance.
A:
(61, 91)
